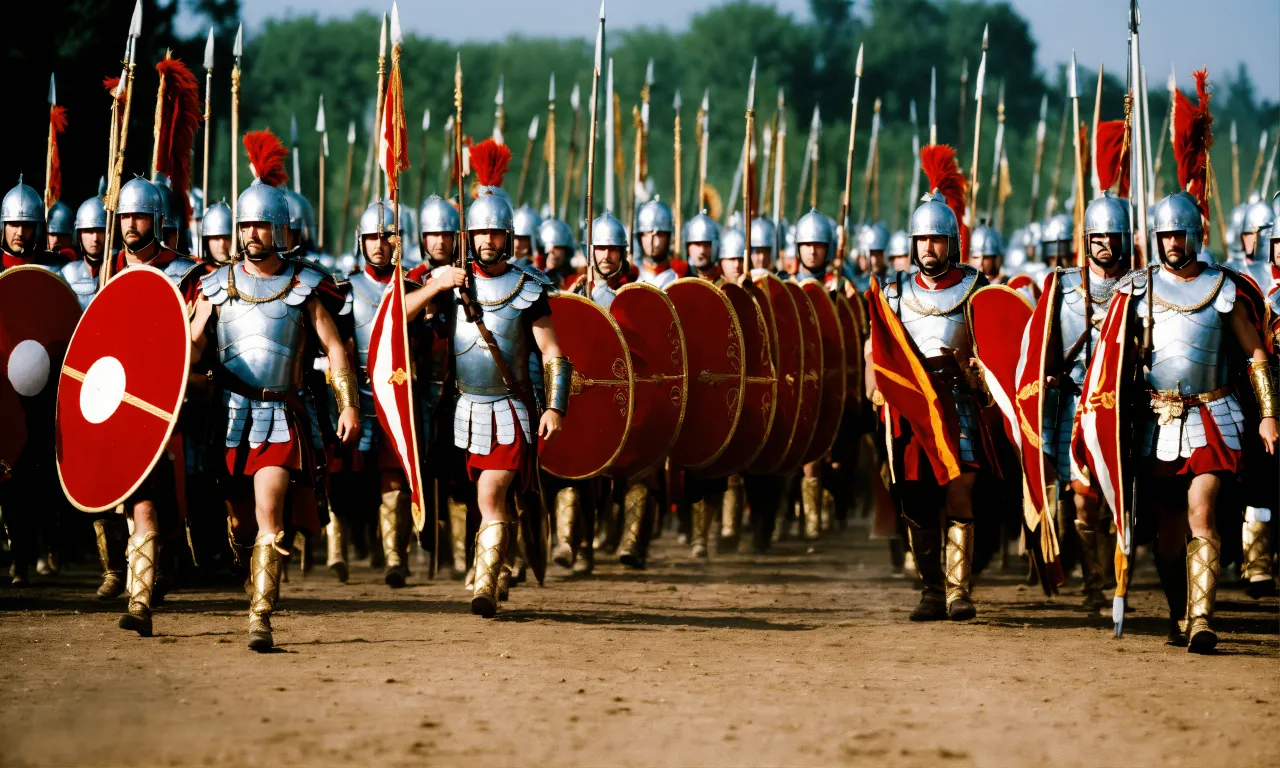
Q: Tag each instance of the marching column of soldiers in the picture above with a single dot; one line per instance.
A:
(1100, 392)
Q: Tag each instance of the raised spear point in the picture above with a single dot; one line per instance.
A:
(982, 77)
(1044, 107)
(675, 103)
(706, 100)
(293, 130)
(397, 37)
(351, 132)
(964, 70)
(602, 10)
(600, 41)
(238, 49)
(648, 73)
(499, 98)
(857, 68)
(751, 87)
(53, 96)
(551, 89)
(575, 97)
(1233, 131)
(876, 106)
(382, 39)
(1072, 92)
(986, 29)
(426, 120)
(135, 24)
(782, 99)
(320, 127)
(816, 122)
(533, 128)
(911, 108)
(208, 52)
(1172, 82)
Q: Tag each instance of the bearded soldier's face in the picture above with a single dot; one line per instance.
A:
(18, 235)
(255, 237)
(136, 229)
(490, 245)
(933, 253)
(378, 250)
(1174, 248)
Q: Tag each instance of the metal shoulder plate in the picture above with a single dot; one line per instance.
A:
(1134, 283)
(533, 273)
(178, 269)
(306, 279)
(214, 285)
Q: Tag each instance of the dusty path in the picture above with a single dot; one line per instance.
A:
(790, 659)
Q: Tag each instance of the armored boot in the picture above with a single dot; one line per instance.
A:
(1255, 565)
(731, 514)
(700, 526)
(1202, 591)
(506, 572)
(142, 580)
(828, 509)
(336, 545)
(1091, 565)
(394, 521)
(112, 535)
(959, 570)
(458, 535)
(568, 500)
(631, 550)
(265, 565)
(926, 545)
(1172, 570)
(491, 554)
(811, 506)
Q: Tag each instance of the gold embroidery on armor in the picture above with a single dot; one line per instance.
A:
(504, 299)
(1188, 308)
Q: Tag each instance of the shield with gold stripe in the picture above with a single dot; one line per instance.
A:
(810, 409)
(787, 356)
(656, 342)
(834, 378)
(601, 394)
(717, 374)
(760, 393)
(121, 387)
(854, 363)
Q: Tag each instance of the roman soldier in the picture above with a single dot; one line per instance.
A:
(1189, 425)
(61, 226)
(732, 247)
(526, 222)
(873, 243)
(91, 232)
(654, 231)
(1056, 244)
(986, 254)
(612, 271)
(1254, 261)
(439, 231)
(939, 443)
(260, 309)
(558, 250)
(22, 213)
(215, 234)
(1026, 257)
(702, 248)
(898, 253)
(763, 249)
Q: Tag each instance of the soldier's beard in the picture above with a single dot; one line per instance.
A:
(142, 243)
(488, 257)
(935, 268)
(256, 252)
(1106, 262)
(1176, 259)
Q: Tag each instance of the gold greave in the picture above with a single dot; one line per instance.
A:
(265, 565)
(491, 553)
(1203, 562)
(336, 534)
(142, 572)
(568, 500)
(1256, 562)
(1090, 561)
(811, 506)
(959, 560)
(731, 508)
(828, 509)
(633, 509)
(458, 534)
(700, 522)
(393, 517)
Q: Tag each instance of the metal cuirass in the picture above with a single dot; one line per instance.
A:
(661, 279)
(80, 277)
(936, 319)
(1188, 333)
(260, 334)
(1071, 304)
(362, 303)
(178, 269)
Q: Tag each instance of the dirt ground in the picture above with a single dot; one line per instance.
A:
(793, 658)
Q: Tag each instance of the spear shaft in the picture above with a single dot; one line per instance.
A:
(842, 240)
(1039, 159)
(524, 161)
(1235, 167)
(550, 144)
(591, 154)
(676, 212)
(375, 189)
(204, 181)
(1051, 203)
(346, 186)
(1257, 163)
(569, 163)
(113, 190)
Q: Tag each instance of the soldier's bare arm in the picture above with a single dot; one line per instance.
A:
(331, 342)
(199, 321)
(544, 335)
(417, 301)
(1251, 344)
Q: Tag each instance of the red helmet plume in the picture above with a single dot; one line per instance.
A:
(178, 115)
(490, 161)
(1192, 138)
(939, 164)
(266, 155)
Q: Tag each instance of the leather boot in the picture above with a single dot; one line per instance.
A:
(336, 546)
(1256, 563)
(700, 526)
(1203, 564)
(731, 514)
(811, 506)
(959, 570)
(568, 500)
(491, 554)
(458, 535)
(1091, 566)
(142, 579)
(635, 505)
(1172, 570)
(926, 545)
(265, 566)
(394, 521)
(112, 534)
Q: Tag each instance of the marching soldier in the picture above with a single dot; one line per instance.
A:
(1057, 247)
(1253, 260)
(898, 253)
(732, 246)
(986, 253)
(62, 231)
(702, 248)
(215, 232)
(558, 247)
(763, 247)
(873, 243)
(22, 213)
(654, 231)
(526, 223)
(609, 241)
(813, 243)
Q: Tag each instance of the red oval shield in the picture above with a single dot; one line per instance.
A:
(713, 349)
(600, 397)
(760, 393)
(834, 378)
(810, 382)
(121, 388)
(655, 340)
(855, 364)
(787, 354)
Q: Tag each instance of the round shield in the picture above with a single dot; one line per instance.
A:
(656, 342)
(601, 396)
(713, 349)
(760, 393)
(835, 382)
(855, 363)
(787, 353)
(121, 388)
(38, 314)
(810, 381)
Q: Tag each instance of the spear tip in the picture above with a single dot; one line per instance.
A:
(533, 128)
(426, 120)
(320, 126)
(1072, 92)
(53, 92)
(397, 37)
(293, 129)
(135, 24)
(351, 132)
(911, 108)
(208, 52)
(238, 50)
(500, 98)
(858, 66)
(675, 102)
(575, 97)
(875, 107)
(382, 38)
(601, 11)
(706, 100)
(551, 90)
(648, 73)
(986, 29)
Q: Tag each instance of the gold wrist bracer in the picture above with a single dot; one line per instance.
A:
(345, 392)
(1264, 388)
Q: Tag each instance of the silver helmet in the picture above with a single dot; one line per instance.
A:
(1177, 213)
(873, 237)
(1109, 215)
(378, 218)
(492, 212)
(763, 234)
(438, 216)
(1235, 226)
(985, 241)
(195, 198)
(264, 203)
(554, 233)
(608, 231)
(899, 245)
(654, 216)
(297, 214)
(704, 229)
(91, 214)
(1055, 232)
(142, 196)
(813, 227)
(732, 244)
(216, 221)
(22, 203)
(61, 220)
(934, 217)
(1015, 254)
(526, 222)
(1258, 216)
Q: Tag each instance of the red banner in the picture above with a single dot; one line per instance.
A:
(1028, 403)
(1096, 442)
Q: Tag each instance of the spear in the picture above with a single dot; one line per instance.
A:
(813, 161)
(1035, 172)
(871, 161)
(1146, 130)
(842, 240)
(933, 105)
(49, 199)
(964, 95)
(610, 193)
(324, 153)
(208, 113)
(446, 157)
(1171, 84)
(575, 102)
(1271, 166)
(499, 113)
(1073, 93)
(591, 151)
(676, 212)
(761, 180)
(370, 158)
(1257, 163)
(737, 184)
(1093, 138)
(915, 164)
(644, 121)
(375, 189)
(1004, 189)
(807, 162)
(346, 186)
(530, 139)
(293, 151)
(113, 189)
(704, 125)
(780, 161)
(994, 191)
(977, 126)
(637, 149)
(747, 213)
(1141, 135)
(422, 168)
(1051, 204)
(1235, 166)
(550, 143)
